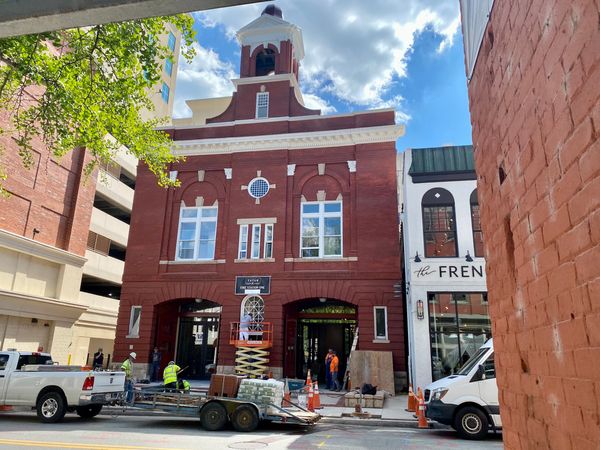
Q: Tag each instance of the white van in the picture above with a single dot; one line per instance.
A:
(467, 400)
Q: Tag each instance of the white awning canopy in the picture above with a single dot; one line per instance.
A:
(475, 15)
(20, 17)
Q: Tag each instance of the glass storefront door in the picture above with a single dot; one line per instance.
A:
(459, 323)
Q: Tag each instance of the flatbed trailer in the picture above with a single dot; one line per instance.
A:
(216, 412)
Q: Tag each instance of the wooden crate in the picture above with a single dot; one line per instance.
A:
(224, 385)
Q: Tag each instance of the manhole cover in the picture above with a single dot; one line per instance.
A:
(247, 445)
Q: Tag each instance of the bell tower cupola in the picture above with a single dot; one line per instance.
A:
(270, 45)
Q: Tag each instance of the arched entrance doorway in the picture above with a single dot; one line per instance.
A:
(188, 333)
(312, 327)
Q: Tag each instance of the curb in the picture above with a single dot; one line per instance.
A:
(396, 423)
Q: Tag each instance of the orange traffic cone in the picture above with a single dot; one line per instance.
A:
(412, 400)
(317, 397)
(287, 400)
(421, 413)
(308, 379)
(311, 404)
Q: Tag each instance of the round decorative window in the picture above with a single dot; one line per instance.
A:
(258, 187)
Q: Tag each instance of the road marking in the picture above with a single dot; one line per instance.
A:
(79, 446)
(322, 443)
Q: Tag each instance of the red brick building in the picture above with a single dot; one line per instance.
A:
(535, 105)
(269, 188)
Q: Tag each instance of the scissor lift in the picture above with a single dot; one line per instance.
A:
(252, 342)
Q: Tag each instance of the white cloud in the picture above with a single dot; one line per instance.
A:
(206, 76)
(354, 48)
(313, 101)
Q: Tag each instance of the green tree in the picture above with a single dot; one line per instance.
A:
(72, 88)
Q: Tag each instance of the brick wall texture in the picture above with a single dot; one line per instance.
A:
(53, 196)
(535, 105)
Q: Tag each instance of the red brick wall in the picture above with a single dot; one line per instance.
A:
(369, 199)
(536, 114)
(52, 196)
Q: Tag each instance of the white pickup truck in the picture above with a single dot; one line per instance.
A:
(32, 380)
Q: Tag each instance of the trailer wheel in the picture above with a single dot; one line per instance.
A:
(51, 407)
(88, 411)
(213, 416)
(245, 418)
(471, 423)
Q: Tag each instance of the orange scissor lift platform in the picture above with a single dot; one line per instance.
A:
(252, 340)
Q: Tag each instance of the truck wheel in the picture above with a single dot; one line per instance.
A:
(213, 417)
(471, 423)
(245, 418)
(51, 407)
(88, 411)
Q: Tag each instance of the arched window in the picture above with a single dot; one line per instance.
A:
(439, 224)
(253, 306)
(265, 62)
(476, 225)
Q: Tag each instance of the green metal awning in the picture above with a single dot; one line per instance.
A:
(442, 164)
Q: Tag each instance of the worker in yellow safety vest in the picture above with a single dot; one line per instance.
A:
(170, 376)
(127, 367)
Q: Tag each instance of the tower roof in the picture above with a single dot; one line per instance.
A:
(273, 10)
(271, 28)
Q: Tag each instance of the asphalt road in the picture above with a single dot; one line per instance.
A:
(23, 430)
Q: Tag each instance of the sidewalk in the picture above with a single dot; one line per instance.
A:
(393, 412)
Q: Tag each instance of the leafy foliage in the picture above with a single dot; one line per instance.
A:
(74, 88)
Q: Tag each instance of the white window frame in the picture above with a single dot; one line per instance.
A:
(262, 105)
(322, 215)
(268, 227)
(198, 221)
(243, 240)
(255, 247)
(133, 332)
(385, 315)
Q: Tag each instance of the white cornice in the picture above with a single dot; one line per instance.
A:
(273, 119)
(38, 249)
(288, 141)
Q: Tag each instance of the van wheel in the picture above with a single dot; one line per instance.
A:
(471, 423)
(245, 418)
(213, 417)
(51, 407)
(88, 411)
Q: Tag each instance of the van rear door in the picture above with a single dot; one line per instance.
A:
(488, 389)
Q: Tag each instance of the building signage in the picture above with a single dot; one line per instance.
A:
(443, 271)
(253, 285)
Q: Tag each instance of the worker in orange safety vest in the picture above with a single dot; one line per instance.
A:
(333, 369)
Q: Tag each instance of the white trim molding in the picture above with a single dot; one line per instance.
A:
(257, 220)
(288, 141)
(323, 260)
(22, 244)
(192, 261)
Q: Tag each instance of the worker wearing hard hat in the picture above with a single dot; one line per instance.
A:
(127, 367)
(170, 376)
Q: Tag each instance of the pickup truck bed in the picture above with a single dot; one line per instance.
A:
(29, 379)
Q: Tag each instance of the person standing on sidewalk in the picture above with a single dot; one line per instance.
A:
(98, 359)
(155, 368)
(328, 358)
(334, 368)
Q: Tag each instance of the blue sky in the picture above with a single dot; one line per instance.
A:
(407, 55)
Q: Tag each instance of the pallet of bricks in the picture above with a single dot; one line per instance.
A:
(261, 392)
